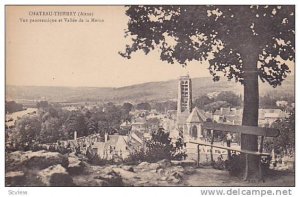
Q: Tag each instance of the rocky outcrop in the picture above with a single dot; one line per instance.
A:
(40, 168)
(111, 178)
(144, 174)
(14, 178)
(44, 168)
(55, 176)
(19, 160)
(75, 166)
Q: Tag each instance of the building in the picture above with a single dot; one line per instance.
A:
(184, 102)
(113, 146)
(188, 121)
(194, 123)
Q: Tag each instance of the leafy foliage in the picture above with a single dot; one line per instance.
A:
(229, 97)
(212, 107)
(285, 142)
(26, 132)
(53, 123)
(160, 147)
(12, 106)
(164, 106)
(269, 101)
(224, 35)
(143, 106)
(42, 104)
(223, 99)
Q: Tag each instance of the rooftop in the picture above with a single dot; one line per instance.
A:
(196, 116)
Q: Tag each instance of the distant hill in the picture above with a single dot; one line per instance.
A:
(153, 91)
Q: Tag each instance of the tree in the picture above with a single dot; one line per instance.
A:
(143, 106)
(42, 104)
(92, 125)
(75, 122)
(12, 106)
(267, 101)
(26, 132)
(285, 142)
(50, 130)
(202, 101)
(242, 42)
(229, 97)
(152, 124)
(212, 107)
(126, 108)
(164, 106)
(159, 147)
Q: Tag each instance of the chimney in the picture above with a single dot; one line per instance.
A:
(75, 135)
(105, 137)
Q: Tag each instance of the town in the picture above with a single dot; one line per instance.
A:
(112, 135)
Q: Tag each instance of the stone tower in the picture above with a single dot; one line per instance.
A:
(184, 102)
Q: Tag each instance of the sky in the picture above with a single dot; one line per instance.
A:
(80, 53)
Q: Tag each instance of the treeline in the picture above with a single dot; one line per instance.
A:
(52, 123)
(12, 106)
(269, 100)
(285, 143)
(158, 106)
(223, 99)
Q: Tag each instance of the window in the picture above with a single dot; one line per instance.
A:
(194, 131)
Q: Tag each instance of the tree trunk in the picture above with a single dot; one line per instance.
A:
(250, 113)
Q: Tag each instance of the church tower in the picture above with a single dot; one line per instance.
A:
(184, 101)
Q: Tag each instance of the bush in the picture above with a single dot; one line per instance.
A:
(158, 148)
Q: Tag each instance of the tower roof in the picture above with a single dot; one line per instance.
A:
(196, 116)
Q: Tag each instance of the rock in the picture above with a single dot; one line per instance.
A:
(142, 183)
(173, 179)
(20, 161)
(176, 181)
(177, 175)
(88, 181)
(128, 168)
(124, 173)
(72, 154)
(171, 170)
(43, 159)
(154, 166)
(189, 170)
(55, 176)
(75, 165)
(164, 163)
(13, 161)
(184, 162)
(177, 169)
(163, 178)
(112, 178)
(174, 174)
(160, 171)
(143, 165)
(14, 178)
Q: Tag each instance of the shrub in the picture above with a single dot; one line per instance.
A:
(158, 148)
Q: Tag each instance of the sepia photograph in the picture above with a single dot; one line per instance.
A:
(150, 96)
